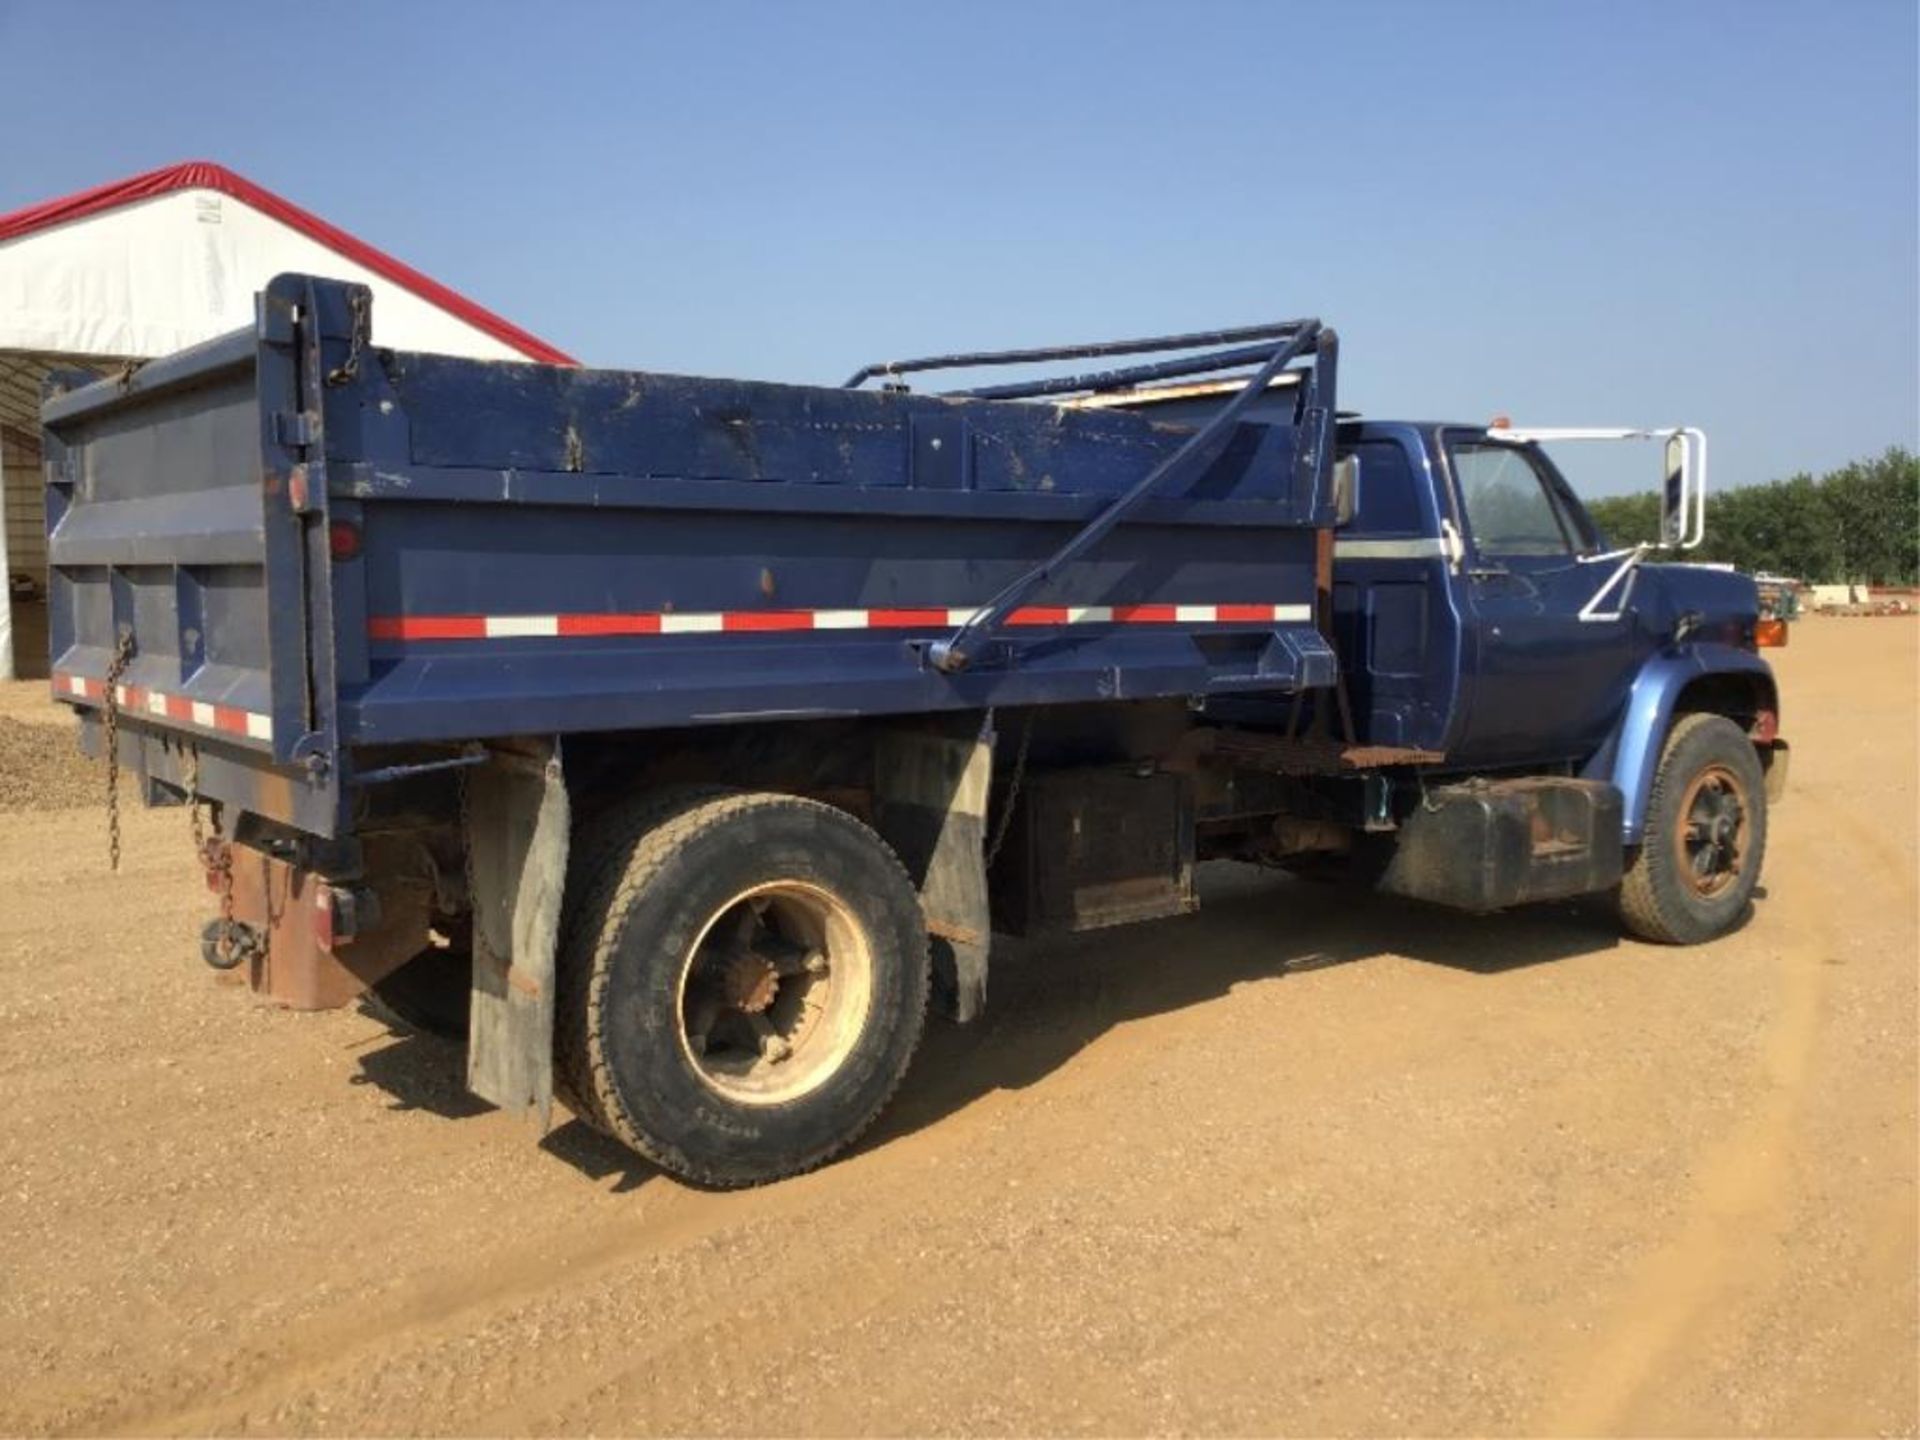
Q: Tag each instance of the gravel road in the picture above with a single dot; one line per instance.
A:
(1289, 1166)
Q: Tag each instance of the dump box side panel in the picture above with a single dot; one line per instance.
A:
(555, 550)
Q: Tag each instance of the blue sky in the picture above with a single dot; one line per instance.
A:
(1573, 213)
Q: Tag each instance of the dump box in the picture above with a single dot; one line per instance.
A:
(291, 559)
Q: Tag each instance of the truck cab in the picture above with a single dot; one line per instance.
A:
(1484, 625)
(1465, 590)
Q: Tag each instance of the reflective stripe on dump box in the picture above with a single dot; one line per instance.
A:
(176, 709)
(669, 622)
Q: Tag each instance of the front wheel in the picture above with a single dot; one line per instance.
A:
(741, 985)
(1706, 835)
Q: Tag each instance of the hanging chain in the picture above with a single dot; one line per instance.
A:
(122, 653)
(1005, 826)
(344, 372)
(465, 806)
(194, 819)
(217, 856)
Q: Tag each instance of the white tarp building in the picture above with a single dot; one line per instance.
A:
(146, 266)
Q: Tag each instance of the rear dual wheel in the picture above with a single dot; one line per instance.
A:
(742, 982)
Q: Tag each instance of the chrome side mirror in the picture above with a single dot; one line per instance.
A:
(1673, 492)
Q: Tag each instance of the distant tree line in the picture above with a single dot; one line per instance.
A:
(1860, 523)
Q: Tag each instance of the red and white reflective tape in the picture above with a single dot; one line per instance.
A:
(178, 709)
(519, 627)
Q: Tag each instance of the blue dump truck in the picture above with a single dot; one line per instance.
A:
(680, 741)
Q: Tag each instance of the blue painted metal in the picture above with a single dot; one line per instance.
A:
(193, 505)
(1540, 683)
(1210, 363)
(190, 506)
(1492, 666)
(1399, 619)
(1632, 753)
(1150, 345)
(1311, 462)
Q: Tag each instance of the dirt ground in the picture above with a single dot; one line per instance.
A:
(1289, 1166)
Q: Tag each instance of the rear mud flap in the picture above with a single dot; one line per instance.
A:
(932, 793)
(517, 820)
(1776, 759)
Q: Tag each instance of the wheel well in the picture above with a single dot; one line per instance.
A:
(1739, 697)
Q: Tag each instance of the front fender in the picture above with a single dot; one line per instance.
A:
(1632, 752)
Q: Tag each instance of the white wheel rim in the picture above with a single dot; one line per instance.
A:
(774, 993)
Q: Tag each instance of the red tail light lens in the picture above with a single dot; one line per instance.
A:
(343, 540)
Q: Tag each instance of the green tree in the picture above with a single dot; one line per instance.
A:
(1858, 523)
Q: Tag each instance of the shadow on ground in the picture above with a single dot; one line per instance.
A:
(1051, 999)
(422, 1071)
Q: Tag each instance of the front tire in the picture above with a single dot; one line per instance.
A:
(741, 983)
(1706, 836)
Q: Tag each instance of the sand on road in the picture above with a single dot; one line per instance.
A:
(1293, 1165)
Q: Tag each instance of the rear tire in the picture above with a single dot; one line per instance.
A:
(432, 992)
(1706, 836)
(742, 981)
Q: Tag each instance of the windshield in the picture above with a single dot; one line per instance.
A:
(1514, 507)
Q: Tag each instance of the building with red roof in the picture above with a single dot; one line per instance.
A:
(148, 265)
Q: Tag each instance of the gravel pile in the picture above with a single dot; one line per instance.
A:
(41, 768)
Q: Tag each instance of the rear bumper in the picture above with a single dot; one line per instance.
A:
(303, 961)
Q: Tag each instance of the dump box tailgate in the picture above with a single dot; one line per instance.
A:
(187, 582)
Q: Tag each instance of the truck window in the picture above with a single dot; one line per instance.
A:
(1510, 511)
(1387, 502)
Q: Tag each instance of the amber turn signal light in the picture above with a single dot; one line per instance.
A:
(1769, 633)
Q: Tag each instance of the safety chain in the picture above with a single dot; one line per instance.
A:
(217, 856)
(344, 372)
(1005, 826)
(464, 804)
(122, 654)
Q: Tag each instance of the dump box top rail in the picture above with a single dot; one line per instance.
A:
(286, 545)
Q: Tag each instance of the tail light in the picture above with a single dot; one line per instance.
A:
(1769, 633)
(343, 539)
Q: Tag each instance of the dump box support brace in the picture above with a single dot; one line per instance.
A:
(958, 650)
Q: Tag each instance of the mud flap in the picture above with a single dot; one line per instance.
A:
(931, 790)
(517, 818)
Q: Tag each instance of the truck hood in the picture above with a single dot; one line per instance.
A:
(1725, 602)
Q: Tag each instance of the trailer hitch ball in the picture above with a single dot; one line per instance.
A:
(242, 943)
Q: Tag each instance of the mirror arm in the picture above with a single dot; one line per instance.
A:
(1591, 613)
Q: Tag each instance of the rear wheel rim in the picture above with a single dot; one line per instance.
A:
(774, 993)
(1711, 831)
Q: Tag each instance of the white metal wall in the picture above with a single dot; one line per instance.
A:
(158, 275)
(147, 279)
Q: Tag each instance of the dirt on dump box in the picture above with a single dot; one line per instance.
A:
(1292, 1165)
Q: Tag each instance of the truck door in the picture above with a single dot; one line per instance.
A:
(1543, 683)
(1397, 628)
